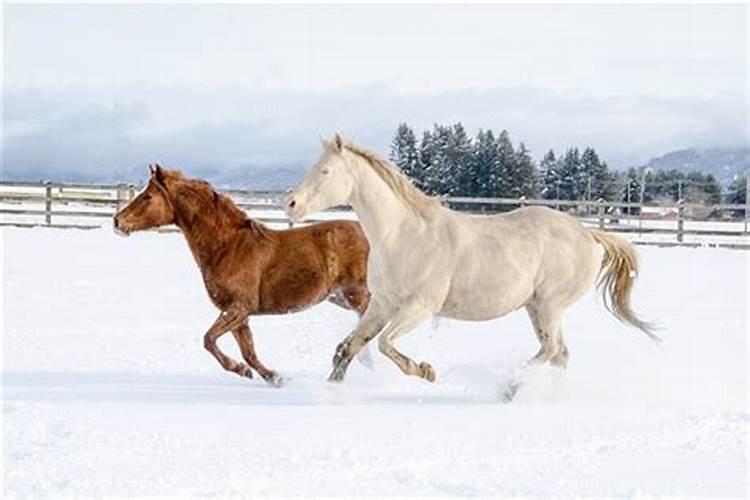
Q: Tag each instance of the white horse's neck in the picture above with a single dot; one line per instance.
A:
(381, 211)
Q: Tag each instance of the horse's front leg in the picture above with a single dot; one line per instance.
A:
(370, 324)
(227, 320)
(244, 337)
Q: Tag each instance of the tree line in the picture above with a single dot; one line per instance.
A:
(447, 161)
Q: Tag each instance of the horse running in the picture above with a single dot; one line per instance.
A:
(247, 267)
(427, 260)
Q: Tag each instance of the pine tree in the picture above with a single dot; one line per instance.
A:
(426, 150)
(595, 181)
(550, 175)
(570, 176)
(438, 176)
(507, 166)
(458, 159)
(482, 174)
(631, 191)
(524, 183)
(404, 153)
(701, 188)
(737, 191)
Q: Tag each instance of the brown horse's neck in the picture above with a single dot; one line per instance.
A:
(210, 222)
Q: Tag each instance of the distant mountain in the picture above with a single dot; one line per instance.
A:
(248, 178)
(723, 163)
(259, 178)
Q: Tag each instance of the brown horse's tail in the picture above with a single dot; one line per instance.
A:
(616, 277)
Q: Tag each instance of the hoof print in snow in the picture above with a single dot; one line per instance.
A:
(274, 380)
(509, 391)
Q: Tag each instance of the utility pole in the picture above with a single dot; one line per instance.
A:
(628, 195)
(643, 185)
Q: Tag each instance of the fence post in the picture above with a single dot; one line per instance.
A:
(123, 195)
(680, 219)
(48, 202)
(747, 199)
(600, 212)
(522, 201)
(131, 192)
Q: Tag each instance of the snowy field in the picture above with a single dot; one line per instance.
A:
(108, 391)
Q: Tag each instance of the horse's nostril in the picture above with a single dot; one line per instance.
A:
(292, 204)
(115, 222)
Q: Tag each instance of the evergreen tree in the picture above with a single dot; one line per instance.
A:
(632, 188)
(481, 174)
(666, 185)
(426, 149)
(458, 159)
(524, 182)
(438, 176)
(550, 175)
(404, 153)
(595, 181)
(737, 191)
(701, 188)
(570, 176)
(507, 166)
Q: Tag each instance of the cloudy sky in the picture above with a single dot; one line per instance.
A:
(110, 87)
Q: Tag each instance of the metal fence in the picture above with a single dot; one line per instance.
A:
(71, 205)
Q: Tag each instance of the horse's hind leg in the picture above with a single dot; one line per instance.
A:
(547, 323)
(244, 337)
(405, 320)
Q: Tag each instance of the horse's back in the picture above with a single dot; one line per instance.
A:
(503, 260)
(569, 257)
(341, 244)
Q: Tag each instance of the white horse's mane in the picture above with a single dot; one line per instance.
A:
(399, 183)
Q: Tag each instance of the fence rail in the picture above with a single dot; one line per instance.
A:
(77, 205)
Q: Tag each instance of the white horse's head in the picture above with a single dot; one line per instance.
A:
(327, 184)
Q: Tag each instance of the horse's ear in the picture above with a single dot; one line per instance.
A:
(151, 169)
(159, 173)
(338, 142)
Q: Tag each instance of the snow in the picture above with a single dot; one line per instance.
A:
(108, 391)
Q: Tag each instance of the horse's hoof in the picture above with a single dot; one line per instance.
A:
(274, 379)
(336, 376)
(340, 353)
(244, 371)
(426, 371)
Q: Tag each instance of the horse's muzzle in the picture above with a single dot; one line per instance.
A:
(119, 230)
(293, 210)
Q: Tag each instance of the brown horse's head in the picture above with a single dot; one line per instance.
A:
(151, 208)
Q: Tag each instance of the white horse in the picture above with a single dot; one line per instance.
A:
(427, 260)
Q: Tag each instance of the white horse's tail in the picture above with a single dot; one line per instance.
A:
(616, 277)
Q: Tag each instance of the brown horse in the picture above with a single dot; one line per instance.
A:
(247, 267)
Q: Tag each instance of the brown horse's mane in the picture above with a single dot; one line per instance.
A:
(201, 195)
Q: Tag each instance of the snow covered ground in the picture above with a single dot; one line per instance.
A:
(107, 389)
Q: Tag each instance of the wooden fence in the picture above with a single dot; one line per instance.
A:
(70, 205)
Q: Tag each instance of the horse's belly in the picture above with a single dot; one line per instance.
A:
(478, 303)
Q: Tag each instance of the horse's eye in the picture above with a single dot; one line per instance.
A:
(325, 171)
(146, 197)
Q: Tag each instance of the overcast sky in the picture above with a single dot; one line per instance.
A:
(112, 86)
